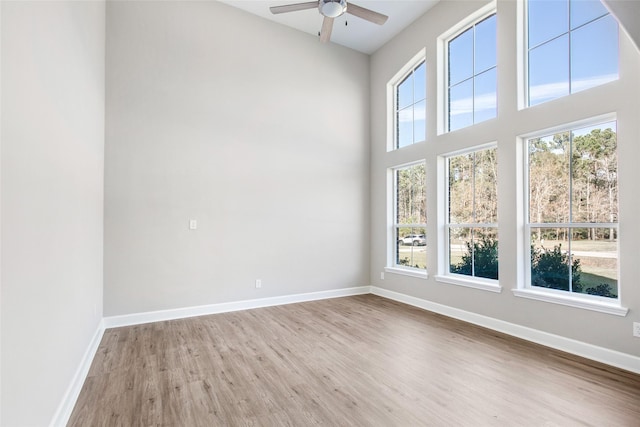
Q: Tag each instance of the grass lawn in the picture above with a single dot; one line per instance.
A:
(413, 256)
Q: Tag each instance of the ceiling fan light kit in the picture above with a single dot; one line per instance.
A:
(331, 9)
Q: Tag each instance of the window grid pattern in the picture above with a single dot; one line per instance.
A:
(410, 222)
(572, 226)
(471, 227)
(562, 43)
(472, 77)
(410, 104)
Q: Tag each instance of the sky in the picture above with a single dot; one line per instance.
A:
(583, 28)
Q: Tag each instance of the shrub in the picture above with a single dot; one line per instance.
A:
(550, 269)
(485, 252)
(602, 290)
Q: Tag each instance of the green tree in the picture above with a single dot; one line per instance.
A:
(595, 179)
(549, 180)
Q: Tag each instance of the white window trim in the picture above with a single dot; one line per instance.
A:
(524, 289)
(444, 276)
(558, 297)
(406, 271)
(442, 68)
(522, 55)
(408, 68)
(392, 237)
(470, 282)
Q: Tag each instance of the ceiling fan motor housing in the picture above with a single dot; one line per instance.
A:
(332, 8)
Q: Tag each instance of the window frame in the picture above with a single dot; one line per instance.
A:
(568, 298)
(443, 62)
(392, 244)
(524, 50)
(444, 273)
(392, 100)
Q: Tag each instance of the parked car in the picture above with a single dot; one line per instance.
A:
(414, 240)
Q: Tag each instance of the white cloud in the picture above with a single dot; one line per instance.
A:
(548, 91)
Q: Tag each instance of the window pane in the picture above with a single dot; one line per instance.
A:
(594, 54)
(411, 247)
(550, 258)
(459, 243)
(486, 186)
(484, 97)
(461, 57)
(594, 174)
(405, 127)
(461, 189)
(405, 93)
(547, 19)
(549, 71)
(583, 11)
(549, 179)
(594, 252)
(420, 82)
(485, 253)
(485, 48)
(473, 252)
(461, 105)
(419, 121)
(411, 195)
(410, 108)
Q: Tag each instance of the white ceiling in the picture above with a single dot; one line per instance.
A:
(359, 34)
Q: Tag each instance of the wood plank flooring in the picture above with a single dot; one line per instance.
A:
(354, 361)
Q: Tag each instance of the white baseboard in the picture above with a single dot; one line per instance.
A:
(65, 408)
(588, 351)
(203, 310)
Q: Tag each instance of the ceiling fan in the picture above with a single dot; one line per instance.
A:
(331, 9)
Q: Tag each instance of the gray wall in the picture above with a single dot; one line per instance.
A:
(257, 131)
(52, 199)
(628, 14)
(621, 96)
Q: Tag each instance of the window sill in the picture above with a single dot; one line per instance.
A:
(407, 272)
(485, 285)
(571, 301)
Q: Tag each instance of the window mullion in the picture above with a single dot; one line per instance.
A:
(570, 219)
(569, 41)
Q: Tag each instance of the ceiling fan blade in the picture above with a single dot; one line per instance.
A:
(369, 15)
(327, 27)
(293, 7)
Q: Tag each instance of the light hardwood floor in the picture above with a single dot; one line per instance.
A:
(362, 361)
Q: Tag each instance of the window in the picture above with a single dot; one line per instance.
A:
(572, 46)
(572, 224)
(410, 107)
(472, 214)
(410, 218)
(472, 79)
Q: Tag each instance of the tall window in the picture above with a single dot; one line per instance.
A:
(572, 46)
(410, 107)
(410, 213)
(472, 227)
(572, 226)
(472, 75)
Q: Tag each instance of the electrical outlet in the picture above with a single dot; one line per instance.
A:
(636, 329)
(193, 224)
(382, 275)
(258, 283)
